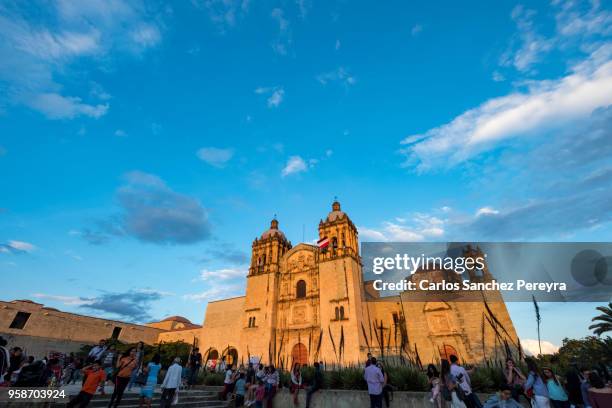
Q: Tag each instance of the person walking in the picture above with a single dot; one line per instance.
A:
(260, 394)
(228, 382)
(109, 359)
(146, 391)
(96, 351)
(139, 360)
(95, 377)
(449, 386)
(195, 362)
(316, 385)
(240, 389)
(171, 383)
(296, 382)
(272, 382)
(535, 385)
(462, 377)
(556, 392)
(125, 367)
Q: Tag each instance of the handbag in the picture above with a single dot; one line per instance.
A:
(141, 378)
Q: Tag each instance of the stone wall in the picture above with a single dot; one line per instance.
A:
(350, 399)
(48, 329)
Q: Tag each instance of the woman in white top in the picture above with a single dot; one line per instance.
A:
(296, 382)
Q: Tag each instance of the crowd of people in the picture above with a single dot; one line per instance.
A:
(539, 387)
(102, 365)
(256, 385)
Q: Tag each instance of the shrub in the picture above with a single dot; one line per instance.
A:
(208, 378)
(407, 378)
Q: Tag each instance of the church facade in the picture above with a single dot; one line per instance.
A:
(303, 304)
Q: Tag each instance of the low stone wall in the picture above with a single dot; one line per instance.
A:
(350, 399)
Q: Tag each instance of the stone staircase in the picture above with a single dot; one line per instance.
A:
(187, 399)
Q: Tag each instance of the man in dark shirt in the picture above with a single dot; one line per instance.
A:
(316, 385)
(195, 362)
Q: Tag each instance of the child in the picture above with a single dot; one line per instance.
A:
(260, 394)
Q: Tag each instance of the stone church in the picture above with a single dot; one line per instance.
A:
(304, 304)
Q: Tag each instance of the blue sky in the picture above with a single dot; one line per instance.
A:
(144, 145)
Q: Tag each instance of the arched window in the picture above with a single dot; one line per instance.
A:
(337, 313)
(300, 289)
(341, 312)
(253, 323)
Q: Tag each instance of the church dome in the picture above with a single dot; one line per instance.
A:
(179, 319)
(273, 231)
(336, 213)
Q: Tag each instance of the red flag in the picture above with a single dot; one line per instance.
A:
(323, 242)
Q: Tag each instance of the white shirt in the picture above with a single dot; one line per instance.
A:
(97, 351)
(173, 376)
(228, 377)
(464, 383)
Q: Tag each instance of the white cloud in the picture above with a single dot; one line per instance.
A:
(337, 45)
(423, 227)
(276, 98)
(17, 247)
(498, 77)
(66, 300)
(340, 75)
(223, 274)
(120, 133)
(215, 156)
(531, 347)
(37, 48)
(215, 293)
(531, 46)
(284, 39)
(416, 29)
(146, 35)
(545, 105)
(486, 211)
(295, 164)
(275, 94)
(55, 106)
(224, 13)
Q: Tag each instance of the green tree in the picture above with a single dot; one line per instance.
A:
(585, 352)
(604, 320)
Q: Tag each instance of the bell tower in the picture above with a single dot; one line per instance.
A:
(341, 283)
(341, 232)
(268, 250)
(262, 291)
